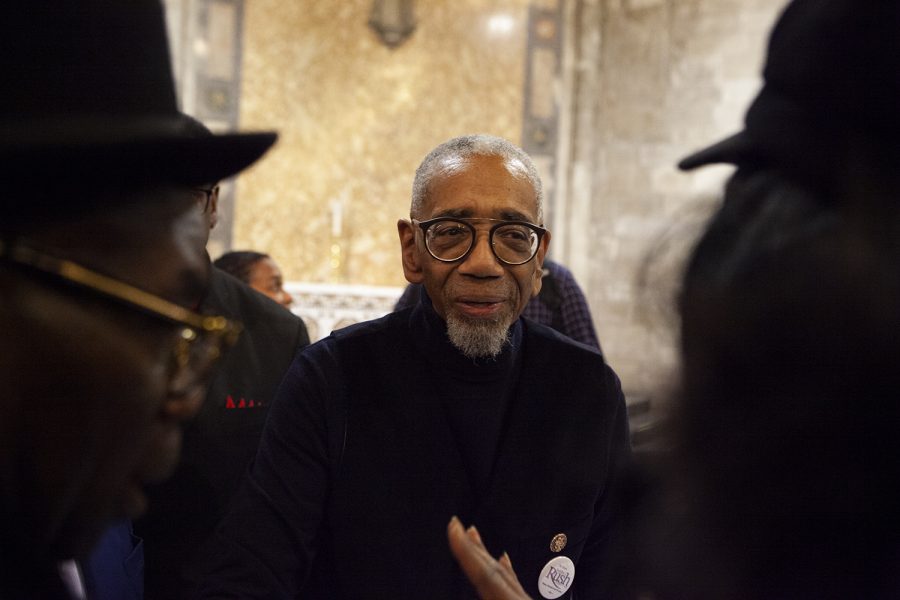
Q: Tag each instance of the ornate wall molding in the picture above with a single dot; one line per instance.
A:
(327, 307)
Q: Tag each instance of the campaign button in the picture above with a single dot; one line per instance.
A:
(556, 577)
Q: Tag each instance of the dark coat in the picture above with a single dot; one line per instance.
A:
(359, 472)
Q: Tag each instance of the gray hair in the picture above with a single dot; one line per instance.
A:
(516, 159)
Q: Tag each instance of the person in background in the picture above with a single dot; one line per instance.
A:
(452, 406)
(257, 270)
(221, 441)
(102, 355)
(560, 304)
(784, 479)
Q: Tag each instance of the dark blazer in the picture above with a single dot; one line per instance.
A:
(221, 441)
(358, 473)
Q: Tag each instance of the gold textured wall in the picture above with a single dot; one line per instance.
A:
(355, 118)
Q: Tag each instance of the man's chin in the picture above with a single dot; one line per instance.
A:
(478, 337)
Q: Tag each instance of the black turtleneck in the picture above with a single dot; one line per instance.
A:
(474, 393)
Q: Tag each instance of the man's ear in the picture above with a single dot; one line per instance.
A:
(537, 277)
(214, 208)
(409, 252)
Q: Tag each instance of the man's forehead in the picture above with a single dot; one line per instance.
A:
(457, 164)
(461, 206)
(473, 185)
(506, 213)
(154, 243)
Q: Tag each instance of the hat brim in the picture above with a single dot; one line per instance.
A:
(207, 160)
(731, 150)
(163, 158)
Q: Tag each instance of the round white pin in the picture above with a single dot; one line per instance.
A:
(556, 577)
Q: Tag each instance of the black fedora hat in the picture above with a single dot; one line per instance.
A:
(88, 93)
(832, 73)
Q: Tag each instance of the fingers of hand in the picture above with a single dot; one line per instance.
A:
(493, 580)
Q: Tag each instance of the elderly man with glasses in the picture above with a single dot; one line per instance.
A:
(454, 406)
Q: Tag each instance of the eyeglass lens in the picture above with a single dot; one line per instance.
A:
(512, 243)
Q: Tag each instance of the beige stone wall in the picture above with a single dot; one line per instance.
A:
(651, 80)
(356, 118)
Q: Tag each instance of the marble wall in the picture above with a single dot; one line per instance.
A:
(648, 82)
(356, 117)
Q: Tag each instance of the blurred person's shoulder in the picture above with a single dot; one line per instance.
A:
(232, 298)
(555, 350)
(551, 338)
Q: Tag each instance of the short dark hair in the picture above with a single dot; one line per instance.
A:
(239, 263)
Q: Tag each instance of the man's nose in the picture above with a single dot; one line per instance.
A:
(184, 405)
(481, 261)
(286, 299)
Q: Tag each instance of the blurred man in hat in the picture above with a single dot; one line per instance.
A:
(101, 356)
(785, 476)
(222, 440)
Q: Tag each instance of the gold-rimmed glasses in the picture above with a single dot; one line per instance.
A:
(202, 340)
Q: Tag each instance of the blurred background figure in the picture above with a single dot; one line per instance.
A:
(257, 270)
(786, 436)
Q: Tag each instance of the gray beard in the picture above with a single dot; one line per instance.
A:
(478, 339)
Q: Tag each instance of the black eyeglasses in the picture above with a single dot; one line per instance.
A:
(203, 196)
(202, 339)
(450, 239)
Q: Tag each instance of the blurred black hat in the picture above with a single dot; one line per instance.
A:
(833, 67)
(88, 95)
